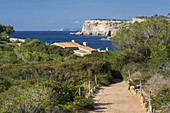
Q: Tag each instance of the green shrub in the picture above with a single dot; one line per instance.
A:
(31, 97)
(83, 103)
(34, 50)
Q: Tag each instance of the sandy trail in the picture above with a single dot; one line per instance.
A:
(116, 98)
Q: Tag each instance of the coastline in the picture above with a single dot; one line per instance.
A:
(63, 36)
(107, 38)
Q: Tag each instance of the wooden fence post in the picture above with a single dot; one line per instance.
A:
(96, 80)
(150, 105)
(129, 74)
(89, 87)
(79, 91)
(140, 88)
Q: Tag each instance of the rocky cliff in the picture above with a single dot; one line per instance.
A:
(104, 27)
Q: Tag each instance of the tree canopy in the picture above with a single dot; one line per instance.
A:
(144, 52)
(5, 30)
(145, 41)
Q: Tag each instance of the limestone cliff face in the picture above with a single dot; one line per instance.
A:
(104, 27)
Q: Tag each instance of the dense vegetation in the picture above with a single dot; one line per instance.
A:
(144, 50)
(108, 19)
(34, 50)
(5, 30)
(36, 77)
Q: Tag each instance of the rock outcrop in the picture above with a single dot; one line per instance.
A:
(77, 33)
(105, 27)
(137, 19)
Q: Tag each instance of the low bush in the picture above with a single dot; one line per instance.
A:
(157, 82)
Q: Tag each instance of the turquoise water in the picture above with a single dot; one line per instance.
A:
(63, 36)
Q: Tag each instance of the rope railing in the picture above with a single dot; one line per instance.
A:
(132, 80)
(143, 94)
(91, 88)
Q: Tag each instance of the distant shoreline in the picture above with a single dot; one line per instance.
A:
(63, 36)
(107, 38)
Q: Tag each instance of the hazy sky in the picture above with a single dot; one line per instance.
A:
(51, 14)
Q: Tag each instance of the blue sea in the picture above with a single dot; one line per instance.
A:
(63, 36)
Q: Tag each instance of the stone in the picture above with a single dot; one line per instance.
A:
(104, 27)
(77, 33)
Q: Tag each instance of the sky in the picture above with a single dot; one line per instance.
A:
(44, 15)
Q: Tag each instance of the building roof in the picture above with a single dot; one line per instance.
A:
(103, 51)
(81, 52)
(86, 47)
(73, 44)
(65, 44)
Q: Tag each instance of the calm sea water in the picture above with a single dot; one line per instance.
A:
(63, 36)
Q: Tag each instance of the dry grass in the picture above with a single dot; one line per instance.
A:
(156, 83)
(136, 75)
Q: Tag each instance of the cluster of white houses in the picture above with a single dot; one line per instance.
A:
(78, 49)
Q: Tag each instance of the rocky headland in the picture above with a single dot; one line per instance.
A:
(105, 27)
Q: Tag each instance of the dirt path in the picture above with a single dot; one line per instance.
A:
(117, 99)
